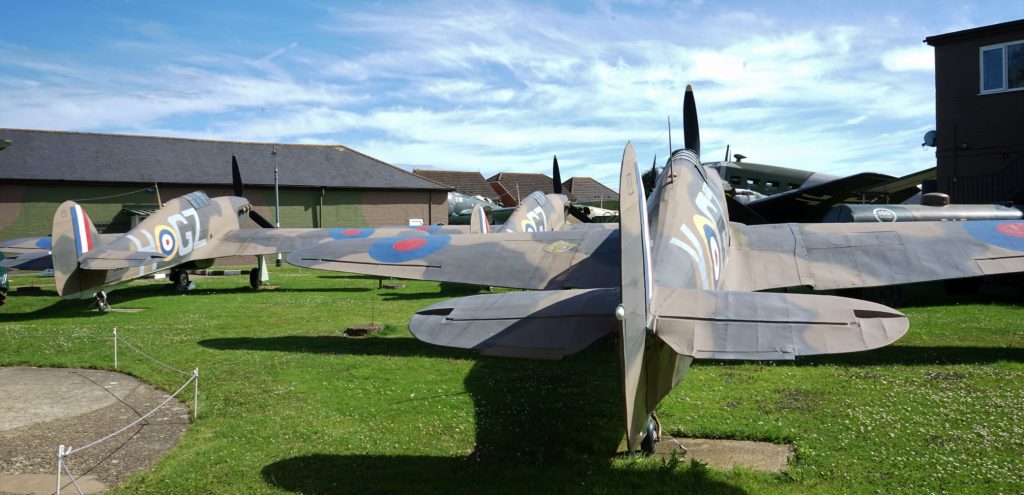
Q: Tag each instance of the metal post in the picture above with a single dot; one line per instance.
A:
(195, 399)
(115, 348)
(277, 200)
(60, 461)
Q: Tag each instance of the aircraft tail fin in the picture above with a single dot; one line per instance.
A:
(768, 326)
(478, 221)
(73, 236)
(636, 294)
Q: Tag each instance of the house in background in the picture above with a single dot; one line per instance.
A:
(979, 110)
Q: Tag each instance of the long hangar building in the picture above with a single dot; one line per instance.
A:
(117, 179)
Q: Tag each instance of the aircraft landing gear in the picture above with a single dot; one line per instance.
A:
(254, 278)
(179, 278)
(101, 302)
(652, 435)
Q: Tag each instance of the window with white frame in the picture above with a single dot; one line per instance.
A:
(1002, 67)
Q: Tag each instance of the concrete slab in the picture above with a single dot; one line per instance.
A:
(42, 408)
(44, 484)
(724, 454)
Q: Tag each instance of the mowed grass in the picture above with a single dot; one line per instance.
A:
(288, 404)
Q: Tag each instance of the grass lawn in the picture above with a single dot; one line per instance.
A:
(288, 404)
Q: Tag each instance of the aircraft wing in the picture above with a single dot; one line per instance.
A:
(809, 204)
(530, 325)
(849, 255)
(38, 260)
(576, 258)
(765, 325)
(243, 242)
(26, 245)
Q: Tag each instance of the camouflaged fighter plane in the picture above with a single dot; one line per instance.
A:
(673, 282)
(192, 231)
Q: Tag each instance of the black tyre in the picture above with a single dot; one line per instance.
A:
(254, 278)
(650, 439)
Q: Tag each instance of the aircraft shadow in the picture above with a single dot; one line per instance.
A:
(329, 344)
(541, 426)
(921, 355)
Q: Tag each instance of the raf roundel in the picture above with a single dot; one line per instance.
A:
(1009, 235)
(430, 229)
(402, 249)
(166, 240)
(350, 233)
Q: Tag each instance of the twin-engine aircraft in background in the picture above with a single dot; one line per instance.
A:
(673, 281)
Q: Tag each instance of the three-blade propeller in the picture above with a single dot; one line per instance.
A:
(239, 190)
(579, 213)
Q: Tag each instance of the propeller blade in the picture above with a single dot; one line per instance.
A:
(236, 178)
(579, 214)
(262, 222)
(556, 177)
(691, 129)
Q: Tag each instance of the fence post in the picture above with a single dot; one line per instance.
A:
(60, 461)
(115, 348)
(195, 399)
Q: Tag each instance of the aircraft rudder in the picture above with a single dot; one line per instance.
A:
(73, 235)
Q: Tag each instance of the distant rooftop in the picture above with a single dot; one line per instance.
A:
(469, 183)
(113, 158)
(521, 185)
(586, 189)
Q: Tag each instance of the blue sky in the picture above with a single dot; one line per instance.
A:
(837, 87)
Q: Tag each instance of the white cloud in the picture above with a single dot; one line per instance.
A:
(920, 58)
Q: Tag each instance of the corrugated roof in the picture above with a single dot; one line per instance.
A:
(113, 158)
(522, 185)
(587, 189)
(469, 183)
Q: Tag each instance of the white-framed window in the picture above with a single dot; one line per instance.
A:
(1002, 67)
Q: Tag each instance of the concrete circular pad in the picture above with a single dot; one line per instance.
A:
(43, 408)
(724, 454)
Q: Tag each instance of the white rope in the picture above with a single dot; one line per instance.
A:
(133, 423)
(155, 360)
(72, 477)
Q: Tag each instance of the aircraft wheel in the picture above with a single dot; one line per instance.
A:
(651, 437)
(101, 302)
(254, 278)
(3, 296)
(180, 279)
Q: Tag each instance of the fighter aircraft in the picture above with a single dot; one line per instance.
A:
(192, 231)
(676, 276)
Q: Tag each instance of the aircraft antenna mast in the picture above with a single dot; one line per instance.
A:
(277, 200)
(670, 136)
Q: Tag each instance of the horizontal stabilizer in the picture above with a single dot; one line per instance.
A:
(26, 245)
(766, 326)
(531, 325)
(30, 261)
(104, 259)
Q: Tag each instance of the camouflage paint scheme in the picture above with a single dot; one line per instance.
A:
(680, 272)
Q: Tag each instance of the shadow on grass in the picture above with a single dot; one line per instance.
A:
(541, 427)
(327, 344)
(921, 355)
(325, 473)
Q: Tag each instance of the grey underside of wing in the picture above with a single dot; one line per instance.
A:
(544, 260)
(39, 260)
(763, 325)
(531, 325)
(111, 260)
(847, 255)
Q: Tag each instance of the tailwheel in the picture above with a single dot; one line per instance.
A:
(180, 279)
(651, 436)
(101, 302)
(254, 278)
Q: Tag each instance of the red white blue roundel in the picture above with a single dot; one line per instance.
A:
(166, 241)
(1009, 235)
(350, 233)
(407, 248)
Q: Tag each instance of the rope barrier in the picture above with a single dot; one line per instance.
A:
(151, 358)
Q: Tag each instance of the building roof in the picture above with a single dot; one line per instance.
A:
(469, 183)
(521, 185)
(112, 158)
(587, 189)
(978, 31)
